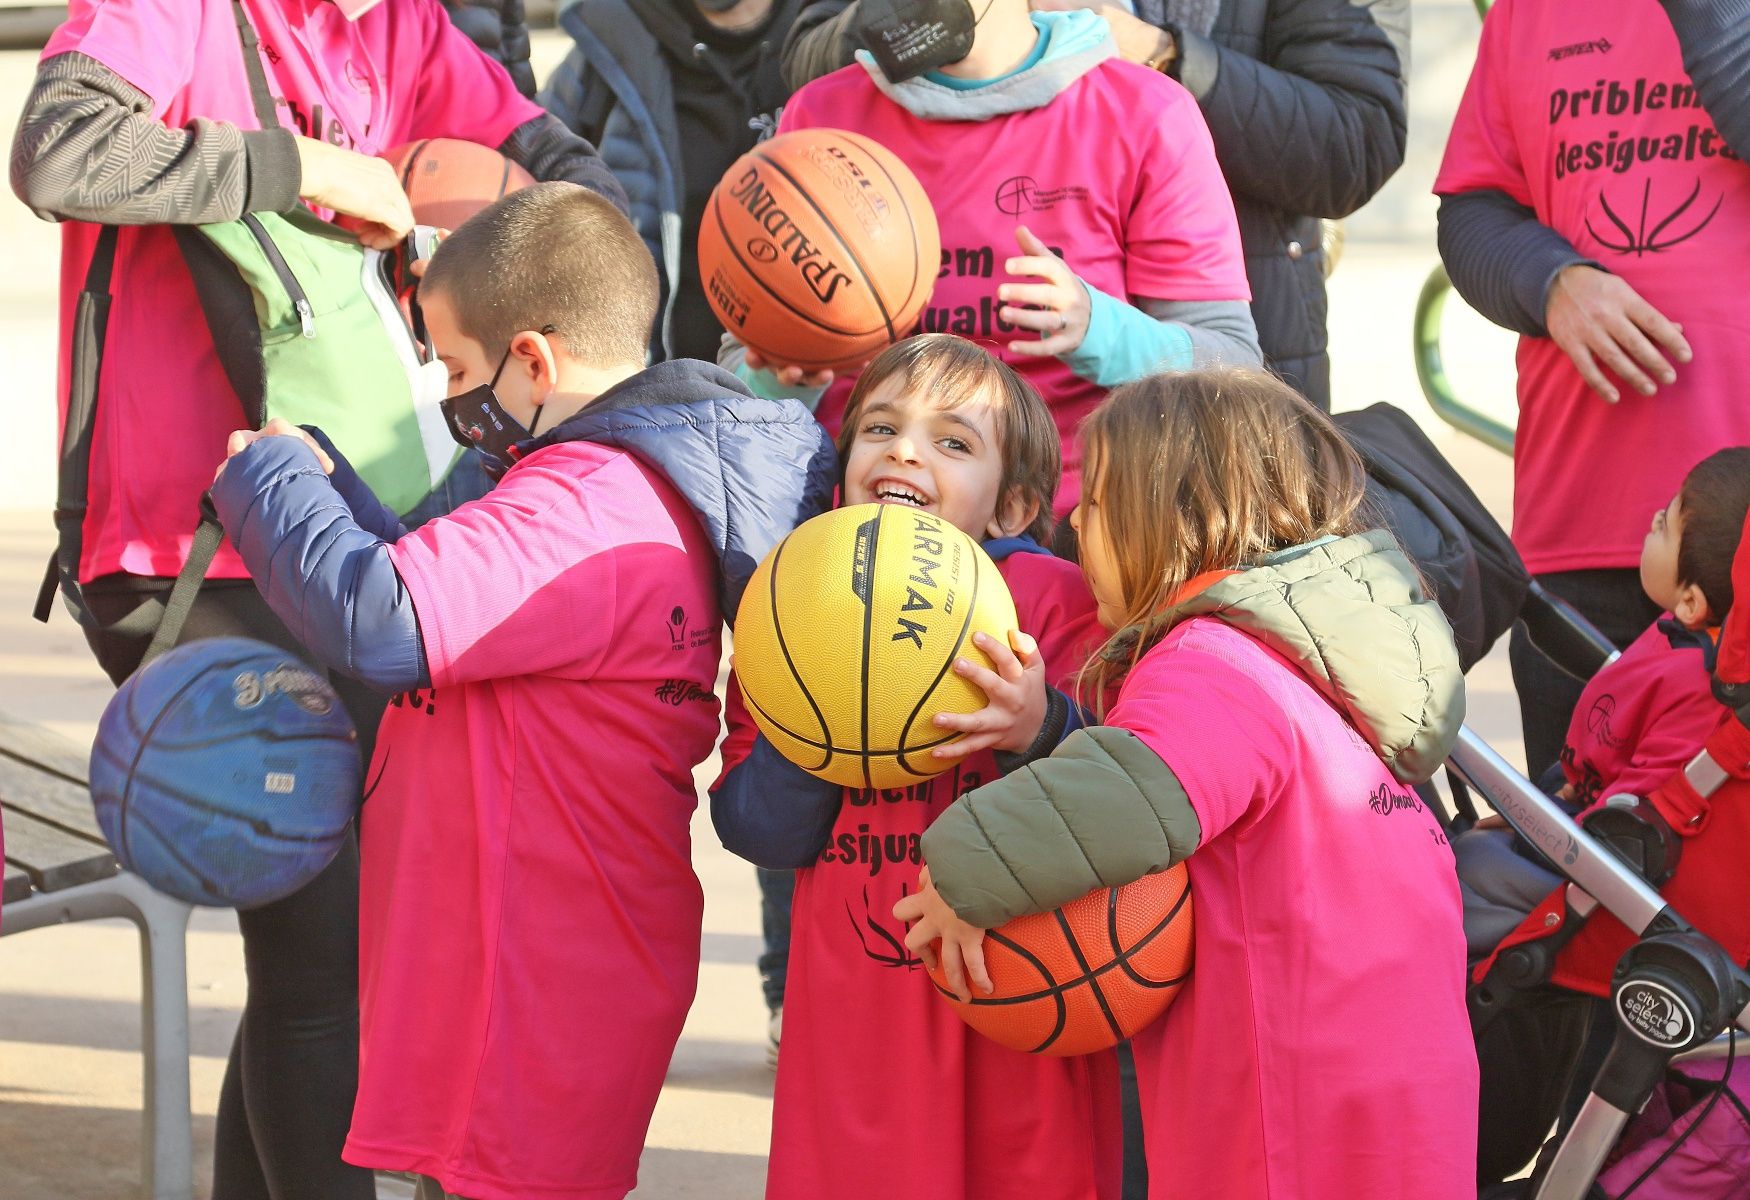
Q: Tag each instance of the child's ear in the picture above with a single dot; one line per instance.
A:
(1013, 515)
(534, 353)
(1691, 609)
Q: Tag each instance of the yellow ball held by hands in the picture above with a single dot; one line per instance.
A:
(847, 635)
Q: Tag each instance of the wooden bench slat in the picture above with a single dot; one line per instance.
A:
(48, 798)
(32, 743)
(14, 887)
(54, 858)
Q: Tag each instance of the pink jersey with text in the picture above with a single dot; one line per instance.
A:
(529, 917)
(1321, 1050)
(882, 1091)
(165, 406)
(1584, 114)
(1117, 175)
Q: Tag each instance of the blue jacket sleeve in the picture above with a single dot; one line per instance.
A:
(771, 812)
(373, 516)
(330, 581)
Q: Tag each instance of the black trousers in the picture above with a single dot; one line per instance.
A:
(286, 1102)
(1610, 599)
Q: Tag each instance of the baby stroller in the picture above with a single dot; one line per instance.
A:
(1573, 947)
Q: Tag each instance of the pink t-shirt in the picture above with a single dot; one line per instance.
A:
(1584, 114)
(1321, 1050)
(528, 915)
(882, 1090)
(1640, 719)
(1117, 174)
(165, 407)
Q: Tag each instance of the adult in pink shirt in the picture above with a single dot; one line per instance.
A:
(1594, 199)
(141, 117)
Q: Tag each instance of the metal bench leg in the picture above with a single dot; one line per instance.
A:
(169, 1132)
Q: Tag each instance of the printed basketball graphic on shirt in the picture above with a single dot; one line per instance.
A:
(847, 636)
(818, 248)
(1088, 975)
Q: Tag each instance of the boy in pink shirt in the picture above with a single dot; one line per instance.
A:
(529, 917)
(1644, 716)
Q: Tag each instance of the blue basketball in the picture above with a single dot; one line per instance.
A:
(225, 772)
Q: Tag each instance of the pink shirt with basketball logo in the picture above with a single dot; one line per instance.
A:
(1584, 114)
(165, 407)
(1117, 175)
(529, 917)
(1321, 1050)
(882, 1090)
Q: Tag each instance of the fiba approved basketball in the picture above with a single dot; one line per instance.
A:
(818, 248)
(225, 772)
(847, 635)
(1088, 975)
(448, 180)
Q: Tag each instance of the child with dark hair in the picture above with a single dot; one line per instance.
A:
(1647, 714)
(529, 917)
(938, 424)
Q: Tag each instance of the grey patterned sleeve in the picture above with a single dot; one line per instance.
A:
(89, 149)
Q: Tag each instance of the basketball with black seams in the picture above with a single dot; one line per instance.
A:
(846, 638)
(448, 180)
(818, 249)
(1084, 977)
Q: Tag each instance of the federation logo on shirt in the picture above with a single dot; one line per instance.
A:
(1022, 194)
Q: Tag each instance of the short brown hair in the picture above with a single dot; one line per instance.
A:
(553, 255)
(1203, 471)
(1713, 502)
(955, 372)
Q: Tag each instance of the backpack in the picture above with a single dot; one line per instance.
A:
(307, 327)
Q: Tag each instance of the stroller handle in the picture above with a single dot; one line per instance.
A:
(1544, 824)
(1566, 637)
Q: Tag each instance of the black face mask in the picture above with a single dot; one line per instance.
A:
(478, 421)
(909, 37)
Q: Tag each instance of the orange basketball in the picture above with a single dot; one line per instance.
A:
(1088, 975)
(447, 181)
(818, 249)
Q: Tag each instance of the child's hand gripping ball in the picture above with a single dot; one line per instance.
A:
(847, 636)
(1076, 980)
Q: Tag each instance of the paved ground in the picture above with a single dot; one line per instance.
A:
(69, 1033)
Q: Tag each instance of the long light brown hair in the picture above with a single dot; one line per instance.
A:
(1205, 471)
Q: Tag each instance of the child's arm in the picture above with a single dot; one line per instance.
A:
(372, 514)
(330, 581)
(765, 808)
(1024, 718)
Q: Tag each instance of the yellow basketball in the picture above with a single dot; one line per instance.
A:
(847, 635)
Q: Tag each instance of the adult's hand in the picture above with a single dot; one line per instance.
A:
(357, 186)
(1600, 321)
(1058, 310)
(1138, 41)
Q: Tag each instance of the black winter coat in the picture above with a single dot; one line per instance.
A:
(1305, 102)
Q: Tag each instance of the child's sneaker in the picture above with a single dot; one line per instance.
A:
(774, 1026)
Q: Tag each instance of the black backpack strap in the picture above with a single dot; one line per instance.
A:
(266, 111)
(73, 479)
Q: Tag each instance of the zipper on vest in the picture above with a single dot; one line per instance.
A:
(289, 281)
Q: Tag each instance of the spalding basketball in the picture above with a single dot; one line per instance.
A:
(847, 635)
(818, 249)
(225, 772)
(1088, 975)
(447, 180)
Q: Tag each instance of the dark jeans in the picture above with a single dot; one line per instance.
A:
(286, 1102)
(777, 889)
(1610, 599)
